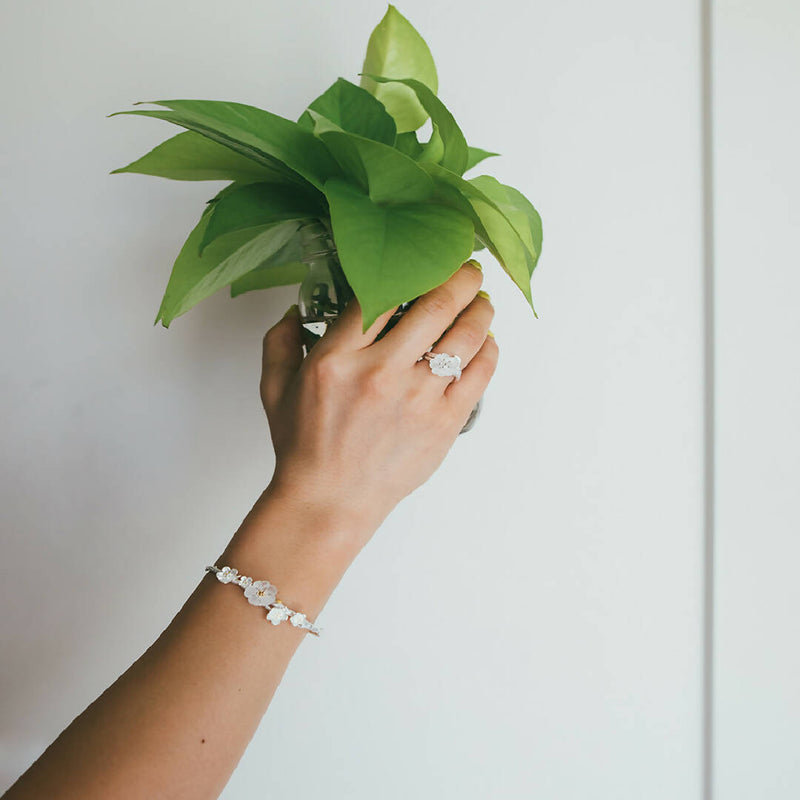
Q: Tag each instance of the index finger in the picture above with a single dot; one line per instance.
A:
(346, 331)
(431, 314)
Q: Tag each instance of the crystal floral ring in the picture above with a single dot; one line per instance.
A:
(443, 364)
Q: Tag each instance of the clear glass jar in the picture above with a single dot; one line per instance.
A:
(325, 291)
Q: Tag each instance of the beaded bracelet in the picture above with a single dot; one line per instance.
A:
(263, 593)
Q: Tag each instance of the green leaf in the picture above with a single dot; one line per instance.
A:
(504, 243)
(396, 50)
(520, 202)
(254, 133)
(283, 268)
(321, 124)
(189, 156)
(267, 276)
(475, 155)
(433, 149)
(517, 209)
(408, 144)
(491, 225)
(260, 204)
(354, 110)
(386, 174)
(195, 277)
(456, 152)
(391, 254)
(342, 148)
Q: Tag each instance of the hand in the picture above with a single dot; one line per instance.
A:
(359, 424)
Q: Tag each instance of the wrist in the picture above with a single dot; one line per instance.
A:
(346, 520)
(300, 545)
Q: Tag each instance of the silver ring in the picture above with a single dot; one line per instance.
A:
(443, 364)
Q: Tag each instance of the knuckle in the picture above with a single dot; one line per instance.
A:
(326, 368)
(472, 334)
(274, 332)
(275, 337)
(268, 338)
(440, 302)
(376, 382)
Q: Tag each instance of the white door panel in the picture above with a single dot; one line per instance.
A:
(757, 201)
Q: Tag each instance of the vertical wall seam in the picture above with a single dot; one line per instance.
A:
(709, 388)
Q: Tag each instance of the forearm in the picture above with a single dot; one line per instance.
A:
(177, 722)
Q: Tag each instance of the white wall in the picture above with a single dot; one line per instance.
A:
(757, 199)
(131, 453)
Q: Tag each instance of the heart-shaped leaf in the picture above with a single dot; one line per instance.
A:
(396, 50)
(189, 156)
(386, 174)
(260, 204)
(456, 152)
(354, 110)
(195, 277)
(393, 253)
(254, 133)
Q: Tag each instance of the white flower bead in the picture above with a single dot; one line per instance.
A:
(227, 575)
(260, 593)
(244, 581)
(277, 614)
(298, 620)
(445, 365)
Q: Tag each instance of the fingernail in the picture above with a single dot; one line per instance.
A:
(474, 264)
(489, 333)
(484, 295)
(291, 311)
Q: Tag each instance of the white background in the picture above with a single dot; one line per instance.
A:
(530, 623)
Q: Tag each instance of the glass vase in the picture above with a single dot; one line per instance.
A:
(325, 292)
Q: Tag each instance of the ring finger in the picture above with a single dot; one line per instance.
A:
(465, 337)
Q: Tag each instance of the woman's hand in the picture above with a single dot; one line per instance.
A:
(358, 424)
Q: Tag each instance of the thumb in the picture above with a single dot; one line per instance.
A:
(282, 356)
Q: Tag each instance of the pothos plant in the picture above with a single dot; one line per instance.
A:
(402, 216)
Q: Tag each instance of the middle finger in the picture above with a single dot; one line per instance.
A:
(430, 315)
(467, 334)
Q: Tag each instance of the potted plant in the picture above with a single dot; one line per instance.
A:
(345, 201)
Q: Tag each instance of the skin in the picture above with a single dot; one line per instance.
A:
(357, 425)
